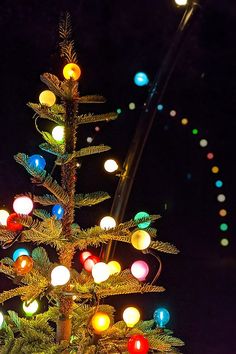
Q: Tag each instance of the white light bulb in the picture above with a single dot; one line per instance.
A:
(31, 308)
(1, 319)
(23, 205)
(58, 133)
(181, 2)
(100, 272)
(60, 275)
(3, 217)
(110, 165)
(107, 223)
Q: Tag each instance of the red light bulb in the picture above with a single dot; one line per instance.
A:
(84, 255)
(12, 224)
(137, 344)
(90, 262)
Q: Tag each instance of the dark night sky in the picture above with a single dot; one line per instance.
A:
(114, 40)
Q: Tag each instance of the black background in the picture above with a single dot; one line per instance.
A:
(115, 39)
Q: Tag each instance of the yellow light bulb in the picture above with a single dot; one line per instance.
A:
(3, 217)
(131, 316)
(140, 239)
(107, 223)
(114, 267)
(71, 71)
(31, 308)
(47, 98)
(58, 133)
(100, 321)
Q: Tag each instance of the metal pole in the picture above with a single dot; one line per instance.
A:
(146, 119)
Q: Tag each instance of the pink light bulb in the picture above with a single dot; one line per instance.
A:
(140, 270)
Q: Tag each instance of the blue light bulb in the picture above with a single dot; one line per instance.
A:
(160, 107)
(140, 215)
(19, 252)
(161, 316)
(141, 79)
(219, 183)
(58, 211)
(37, 162)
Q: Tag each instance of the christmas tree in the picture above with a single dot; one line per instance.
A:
(77, 319)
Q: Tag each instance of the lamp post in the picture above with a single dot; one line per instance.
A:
(146, 119)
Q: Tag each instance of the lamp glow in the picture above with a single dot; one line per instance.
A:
(100, 272)
(224, 242)
(114, 267)
(221, 198)
(71, 71)
(223, 212)
(140, 270)
(60, 275)
(107, 223)
(3, 217)
(23, 205)
(110, 165)
(58, 133)
(141, 79)
(181, 2)
(131, 316)
(19, 252)
(1, 319)
(90, 262)
(161, 316)
(84, 255)
(58, 211)
(47, 98)
(12, 224)
(100, 322)
(31, 309)
(184, 121)
(140, 239)
(141, 215)
(138, 344)
(37, 162)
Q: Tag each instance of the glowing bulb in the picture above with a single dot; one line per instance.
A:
(118, 110)
(47, 98)
(31, 308)
(221, 198)
(141, 215)
(210, 155)
(58, 133)
(223, 227)
(60, 275)
(173, 113)
(223, 212)
(37, 162)
(23, 205)
(110, 165)
(224, 242)
(3, 217)
(138, 344)
(100, 321)
(107, 223)
(140, 270)
(140, 240)
(84, 255)
(131, 106)
(181, 2)
(23, 264)
(184, 121)
(203, 142)
(100, 272)
(19, 252)
(90, 262)
(141, 79)
(131, 316)
(1, 319)
(114, 267)
(215, 169)
(160, 107)
(195, 131)
(89, 139)
(161, 316)
(71, 71)
(58, 211)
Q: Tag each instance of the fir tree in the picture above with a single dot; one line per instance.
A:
(72, 323)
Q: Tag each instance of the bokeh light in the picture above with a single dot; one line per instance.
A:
(118, 111)
(223, 227)
(172, 113)
(223, 212)
(132, 106)
(141, 79)
(215, 169)
(219, 183)
(89, 139)
(160, 107)
(221, 198)
(203, 142)
(184, 121)
(195, 131)
(210, 155)
(224, 242)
